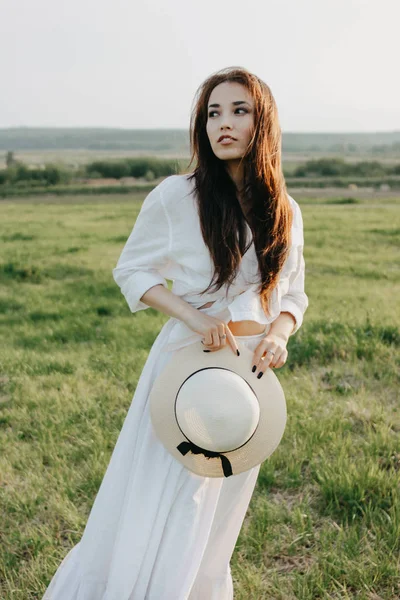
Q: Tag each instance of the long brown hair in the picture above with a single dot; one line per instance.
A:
(223, 223)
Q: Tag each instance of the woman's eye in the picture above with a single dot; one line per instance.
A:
(210, 114)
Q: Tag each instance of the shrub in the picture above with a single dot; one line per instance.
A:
(132, 167)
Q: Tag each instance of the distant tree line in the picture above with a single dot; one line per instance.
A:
(337, 167)
(176, 142)
(17, 174)
(147, 168)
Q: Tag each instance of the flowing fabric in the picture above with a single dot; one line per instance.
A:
(156, 530)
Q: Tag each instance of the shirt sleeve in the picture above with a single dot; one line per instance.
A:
(295, 301)
(145, 256)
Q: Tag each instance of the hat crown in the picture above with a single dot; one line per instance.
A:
(180, 418)
(216, 409)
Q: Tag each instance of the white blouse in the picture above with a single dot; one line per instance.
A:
(166, 243)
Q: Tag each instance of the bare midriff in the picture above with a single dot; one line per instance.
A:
(242, 327)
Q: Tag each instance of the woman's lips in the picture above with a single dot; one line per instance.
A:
(226, 141)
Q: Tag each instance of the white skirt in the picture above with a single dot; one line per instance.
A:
(156, 530)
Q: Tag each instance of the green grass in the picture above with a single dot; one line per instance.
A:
(324, 520)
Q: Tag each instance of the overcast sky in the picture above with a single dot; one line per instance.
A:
(332, 65)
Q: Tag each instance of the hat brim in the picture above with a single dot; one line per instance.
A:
(269, 392)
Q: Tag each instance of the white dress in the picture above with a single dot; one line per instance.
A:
(157, 531)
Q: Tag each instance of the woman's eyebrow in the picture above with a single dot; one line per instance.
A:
(236, 103)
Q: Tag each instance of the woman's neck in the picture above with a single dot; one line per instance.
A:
(235, 169)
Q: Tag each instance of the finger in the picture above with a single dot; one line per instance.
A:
(274, 360)
(208, 339)
(262, 354)
(232, 341)
(214, 343)
(216, 338)
(265, 362)
(221, 333)
(282, 359)
(259, 352)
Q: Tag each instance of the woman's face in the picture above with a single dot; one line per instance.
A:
(230, 113)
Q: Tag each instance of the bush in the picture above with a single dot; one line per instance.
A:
(107, 169)
(132, 167)
(19, 173)
(337, 167)
(322, 168)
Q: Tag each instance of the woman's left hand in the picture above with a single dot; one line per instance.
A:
(263, 357)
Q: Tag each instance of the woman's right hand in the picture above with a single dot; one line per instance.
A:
(212, 330)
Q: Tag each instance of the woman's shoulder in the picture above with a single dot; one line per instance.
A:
(175, 194)
(297, 216)
(175, 187)
(297, 225)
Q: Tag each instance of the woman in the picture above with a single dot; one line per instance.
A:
(156, 530)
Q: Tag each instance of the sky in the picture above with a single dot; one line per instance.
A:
(332, 65)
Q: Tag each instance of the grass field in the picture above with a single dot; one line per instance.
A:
(324, 520)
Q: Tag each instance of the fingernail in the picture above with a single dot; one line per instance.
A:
(260, 375)
(206, 350)
(238, 353)
(254, 368)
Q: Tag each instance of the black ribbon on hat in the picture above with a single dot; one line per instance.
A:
(185, 447)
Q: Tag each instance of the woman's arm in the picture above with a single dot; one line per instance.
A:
(283, 326)
(142, 270)
(210, 328)
(145, 257)
(164, 300)
(295, 302)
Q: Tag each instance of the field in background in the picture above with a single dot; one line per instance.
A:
(324, 520)
(76, 158)
(77, 146)
(41, 161)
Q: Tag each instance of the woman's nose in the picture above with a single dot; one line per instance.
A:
(225, 127)
(225, 123)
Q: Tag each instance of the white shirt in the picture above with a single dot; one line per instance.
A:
(166, 243)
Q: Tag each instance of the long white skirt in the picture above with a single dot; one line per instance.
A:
(156, 531)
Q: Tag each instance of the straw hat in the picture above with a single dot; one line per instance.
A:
(213, 415)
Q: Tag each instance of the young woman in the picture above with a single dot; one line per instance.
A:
(231, 240)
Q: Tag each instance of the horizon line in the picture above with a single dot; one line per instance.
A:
(183, 129)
